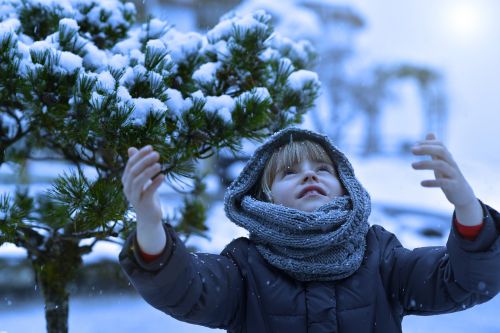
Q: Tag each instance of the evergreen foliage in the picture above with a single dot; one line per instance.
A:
(80, 83)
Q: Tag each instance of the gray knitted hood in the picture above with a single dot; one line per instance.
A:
(251, 173)
(326, 244)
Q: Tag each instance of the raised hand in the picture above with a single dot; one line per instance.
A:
(141, 192)
(449, 178)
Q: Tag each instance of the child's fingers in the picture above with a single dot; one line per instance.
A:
(127, 176)
(141, 179)
(134, 186)
(439, 152)
(145, 162)
(132, 161)
(157, 181)
(441, 168)
(139, 154)
(131, 151)
(429, 142)
(433, 183)
(430, 136)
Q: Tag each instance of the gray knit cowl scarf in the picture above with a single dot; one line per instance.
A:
(324, 245)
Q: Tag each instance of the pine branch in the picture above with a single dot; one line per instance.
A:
(70, 40)
(103, 32)
(39, 20)
(99, 235)
(89, 114)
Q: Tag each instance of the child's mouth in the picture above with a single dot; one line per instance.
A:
(311, 191)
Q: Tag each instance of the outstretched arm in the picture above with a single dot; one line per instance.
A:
(449, 178)
(140, 191)
(204, 289)
(433, 280)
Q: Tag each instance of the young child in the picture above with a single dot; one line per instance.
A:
(312, 263)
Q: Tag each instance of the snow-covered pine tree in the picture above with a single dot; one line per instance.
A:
(81, 82)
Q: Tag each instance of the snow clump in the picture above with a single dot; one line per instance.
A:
(176, 103)
(106, 81)
(260, 94)
(206, 73)
(222, 105)
(143, 106)
(299, 79)
(69, 61)
(244, 24)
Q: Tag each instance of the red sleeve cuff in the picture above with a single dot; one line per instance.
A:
(468, 232)
(149, 257)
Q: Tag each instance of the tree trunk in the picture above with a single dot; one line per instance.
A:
(55, 270)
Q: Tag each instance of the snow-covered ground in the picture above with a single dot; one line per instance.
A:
(126, 314)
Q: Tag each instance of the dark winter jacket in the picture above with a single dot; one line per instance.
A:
(238, 291)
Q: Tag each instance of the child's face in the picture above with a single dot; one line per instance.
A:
(306, 186)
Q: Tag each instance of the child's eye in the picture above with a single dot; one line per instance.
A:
(325, 168)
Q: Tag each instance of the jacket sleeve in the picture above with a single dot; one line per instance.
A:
(203, 289)
(434, 280)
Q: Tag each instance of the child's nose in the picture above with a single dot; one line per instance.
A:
(310, 174)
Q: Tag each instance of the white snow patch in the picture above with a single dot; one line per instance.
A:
(244, 24)
(137, 55)
(222, 105)
(131, 74)
(94, 15)
(269, 54)
(221, 30)
(128, 77)
(143, 106)
(260, 93)
(198, 94)
(221, 49)
(206, 73)
(10, 25)
(96, 99)
(180, 45)
(155, 28)
(123, 94)
(295, 50)
(106, 81)
(94, 57)
(118, 61)
(289, 17)
(68, 23)
(155, 44)
(66, 5)
(25, 52)
(176, 103)
(69, 61)
(297, 80)
(41, 46)
(129, 44)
